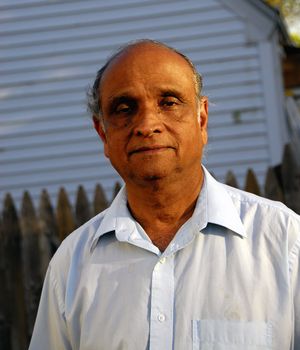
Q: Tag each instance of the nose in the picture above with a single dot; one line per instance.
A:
(148, 122)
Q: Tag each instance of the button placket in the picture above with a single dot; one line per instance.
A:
(161, 317)
(162, 301)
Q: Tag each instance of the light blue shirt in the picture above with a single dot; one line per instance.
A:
(229, 280)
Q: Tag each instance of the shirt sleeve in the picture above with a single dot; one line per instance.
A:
(50, 330)
(295, 274)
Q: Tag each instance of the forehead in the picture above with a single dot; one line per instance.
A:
(147, 65)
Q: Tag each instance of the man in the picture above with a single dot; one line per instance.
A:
(178, 261)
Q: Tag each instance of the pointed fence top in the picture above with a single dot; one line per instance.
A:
(82, 207)
(100, 201)
(273, 189)
(251, 184)
(116, 189)
(10, 219)
(231, 179)
(29, 222)
(64, 215)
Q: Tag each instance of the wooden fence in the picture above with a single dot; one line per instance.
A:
(28, 240)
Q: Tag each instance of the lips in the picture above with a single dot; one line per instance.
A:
(149, 149)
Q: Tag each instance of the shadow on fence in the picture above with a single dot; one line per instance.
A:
(28, 240)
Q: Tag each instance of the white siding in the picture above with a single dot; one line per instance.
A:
(49, 53)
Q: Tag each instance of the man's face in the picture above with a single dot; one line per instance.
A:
(151, 115)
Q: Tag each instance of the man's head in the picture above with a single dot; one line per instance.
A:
(153, 120)
(94, 101)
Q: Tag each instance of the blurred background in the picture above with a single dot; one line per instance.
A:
(50, 50)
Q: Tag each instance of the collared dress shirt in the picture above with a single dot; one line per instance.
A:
(229, 279)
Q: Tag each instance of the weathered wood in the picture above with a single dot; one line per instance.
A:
(51, 229)
(31, 256)
(116, 189)
(5, 343)
(11, 245)
(291, 179)
(64, 215)
(231, 179)
(291, 68)
(100, 202)
(49, 240)
(251, 184)
(82, 207)
(273, 190)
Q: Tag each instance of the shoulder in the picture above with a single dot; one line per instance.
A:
(248, 200)
(76, 246)
(265, 215)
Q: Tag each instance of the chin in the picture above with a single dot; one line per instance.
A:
(145, 178)
(153, 177)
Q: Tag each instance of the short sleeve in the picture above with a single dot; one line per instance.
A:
(295, 281)
(50, 330)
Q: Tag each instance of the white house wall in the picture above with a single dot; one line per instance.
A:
(50, 52)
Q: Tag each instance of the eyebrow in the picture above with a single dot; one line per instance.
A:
(113, 101)
(172, 92)
(121, 97)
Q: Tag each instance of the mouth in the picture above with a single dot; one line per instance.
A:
(149, 150)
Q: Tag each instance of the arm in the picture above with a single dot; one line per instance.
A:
(50, 330)
(295, 275)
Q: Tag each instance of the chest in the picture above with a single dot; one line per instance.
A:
(208, 292)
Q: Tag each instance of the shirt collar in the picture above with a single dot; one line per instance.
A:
(220, 208)
(214, 205)
(117, 218)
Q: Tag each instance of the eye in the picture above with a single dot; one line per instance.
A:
(169, 101)
(123, 108)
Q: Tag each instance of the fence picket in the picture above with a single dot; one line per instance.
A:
(82, 207)
(49, 240)
(35, 238)
(100, 202)
(116, 189)
(31, 255)
(273, 189)
(231, 179)
(291, 179)
(64, 215)
(251, 183)
(5, 343)
(15, 323)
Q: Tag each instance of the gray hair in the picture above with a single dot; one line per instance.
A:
(93, 94)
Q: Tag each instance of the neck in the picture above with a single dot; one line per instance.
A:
(162, 208)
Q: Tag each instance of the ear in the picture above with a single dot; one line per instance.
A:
(204, 118)
(99, 128)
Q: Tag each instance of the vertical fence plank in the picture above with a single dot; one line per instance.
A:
(273, 189)
(100, 201)
(82, 207)
(41, 237)
(64, 215)
(5, 343)
(49, 240)
(31, 258)
(11, 239)
(231, 179)
(251, 184)
(291, 179)
(116, 189)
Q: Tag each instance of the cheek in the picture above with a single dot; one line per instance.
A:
(114, 147)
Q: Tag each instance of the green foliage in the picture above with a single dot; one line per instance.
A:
(290, 10)
(296, 38)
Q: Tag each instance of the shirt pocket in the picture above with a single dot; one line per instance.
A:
(231, 335)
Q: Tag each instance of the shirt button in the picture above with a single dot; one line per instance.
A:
(162, 260)
(161, 317)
